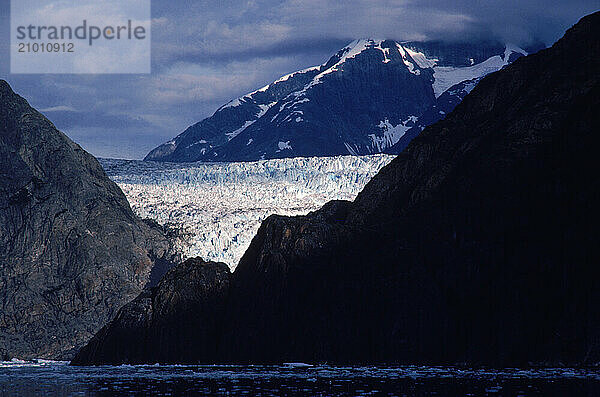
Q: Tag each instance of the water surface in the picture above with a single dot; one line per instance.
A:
(48, 378)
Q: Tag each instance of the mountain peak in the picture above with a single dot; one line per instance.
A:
(359, 46)
(363, 44)
(361, 101)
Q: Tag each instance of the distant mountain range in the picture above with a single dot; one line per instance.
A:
(372, 96)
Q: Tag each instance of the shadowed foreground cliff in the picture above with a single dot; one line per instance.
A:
(178, 318)
(71, 250)
(478, 244)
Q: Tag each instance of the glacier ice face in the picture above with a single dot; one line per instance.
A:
(221, 205)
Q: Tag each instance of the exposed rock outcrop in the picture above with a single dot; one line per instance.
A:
(477, 244)
(178, 318)
(71, 250)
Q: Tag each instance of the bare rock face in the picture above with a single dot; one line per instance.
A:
(178, 318)
(478, 244)
(71, 250)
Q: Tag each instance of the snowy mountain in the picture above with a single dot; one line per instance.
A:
(221, 205)
(363, 100)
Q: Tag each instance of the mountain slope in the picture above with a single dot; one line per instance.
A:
(71, 250)
(443, 105)
(362, 101)
(476, 245)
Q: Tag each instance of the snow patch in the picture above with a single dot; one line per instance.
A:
(263, 109)
(421, 59)
(233, 134)
(200, 142)
(245, 98)
(288, 76)
(303, 100)
(447, 76)
(409, 65)
(391, 133)
(284, 145)
(291, 104)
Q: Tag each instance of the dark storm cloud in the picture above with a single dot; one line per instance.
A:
(206, 52)
(520, 22)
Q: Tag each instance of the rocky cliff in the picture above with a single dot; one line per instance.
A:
(71, 250)
(477, 244)
(178, 317)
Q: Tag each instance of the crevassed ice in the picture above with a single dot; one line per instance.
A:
(222, 204)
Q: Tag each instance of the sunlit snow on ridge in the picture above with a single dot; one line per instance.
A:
(447, 76)
(223, 204)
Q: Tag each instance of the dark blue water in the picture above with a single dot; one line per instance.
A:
(59, 379)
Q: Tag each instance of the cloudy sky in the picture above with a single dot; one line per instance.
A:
(206, 52)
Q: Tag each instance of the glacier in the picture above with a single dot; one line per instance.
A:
(220, 206)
